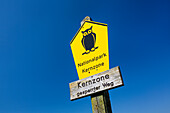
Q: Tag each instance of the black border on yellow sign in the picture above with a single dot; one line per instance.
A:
(82, 26)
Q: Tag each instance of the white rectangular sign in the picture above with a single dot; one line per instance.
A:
(103, 81)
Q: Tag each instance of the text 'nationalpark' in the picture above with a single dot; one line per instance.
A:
(92, 60)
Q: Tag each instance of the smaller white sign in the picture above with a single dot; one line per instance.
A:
(103, 81)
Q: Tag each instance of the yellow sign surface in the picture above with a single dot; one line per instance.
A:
(90, 49)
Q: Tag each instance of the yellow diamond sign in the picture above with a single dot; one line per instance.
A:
(90, 49)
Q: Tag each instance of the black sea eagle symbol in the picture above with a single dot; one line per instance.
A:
(88, 41)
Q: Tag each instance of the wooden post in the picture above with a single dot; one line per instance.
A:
(100, 101)
(87, 18)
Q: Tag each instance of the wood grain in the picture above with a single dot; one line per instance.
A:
(100, 82)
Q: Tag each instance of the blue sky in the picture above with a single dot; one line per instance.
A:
(36, 63)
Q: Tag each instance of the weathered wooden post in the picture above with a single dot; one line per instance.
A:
(101, 102)
(90, 51)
